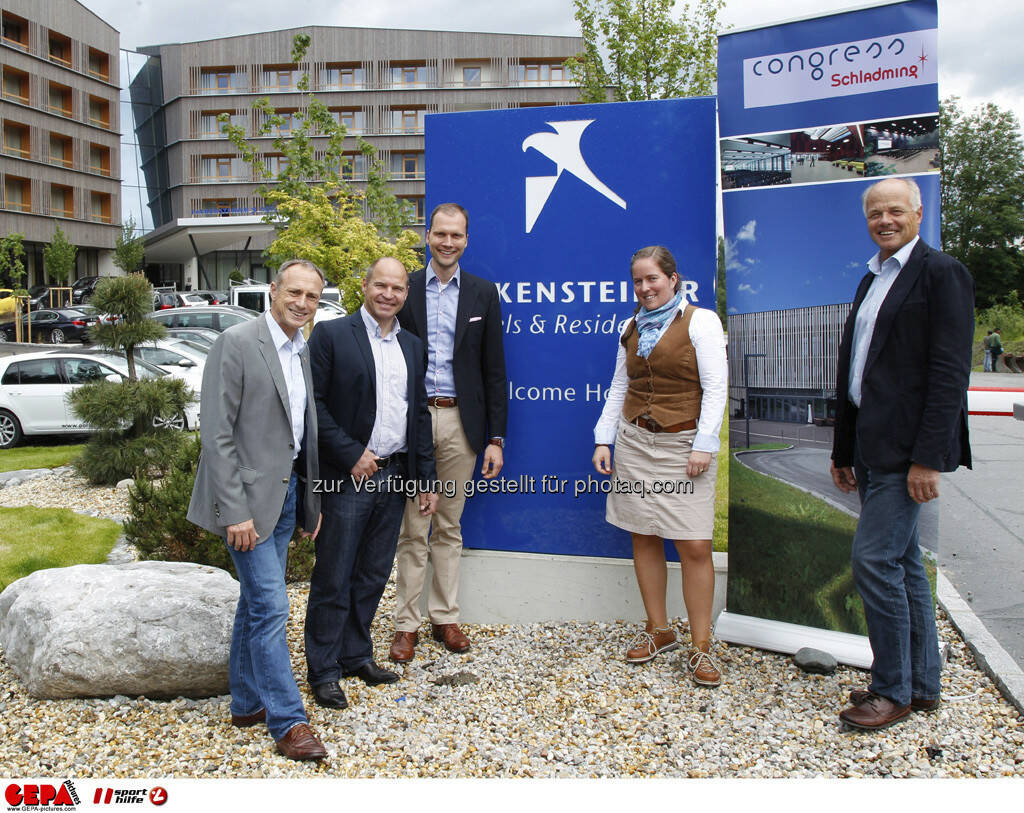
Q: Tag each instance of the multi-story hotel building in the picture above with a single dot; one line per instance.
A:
(60, 161)
(205, 205)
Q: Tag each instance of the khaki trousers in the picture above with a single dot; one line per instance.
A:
(455, 460)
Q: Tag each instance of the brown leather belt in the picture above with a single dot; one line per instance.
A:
(442, 401)
(652, 425)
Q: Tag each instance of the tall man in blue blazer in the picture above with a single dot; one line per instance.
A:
(904, 365)
(375, 449)
(259, 440)
(459, 319)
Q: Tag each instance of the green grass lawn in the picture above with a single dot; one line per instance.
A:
(39, 457)
(37, 538)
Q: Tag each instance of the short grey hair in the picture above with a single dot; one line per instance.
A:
(304, 263)
(910, 183)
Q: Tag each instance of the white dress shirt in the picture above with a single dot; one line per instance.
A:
(864, 326)
(389, 424)
(289, 352)
(709, 343)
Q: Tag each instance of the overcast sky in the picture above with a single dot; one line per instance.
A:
(980, 55)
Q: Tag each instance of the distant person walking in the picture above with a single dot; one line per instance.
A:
(996, 348)
(987, 344)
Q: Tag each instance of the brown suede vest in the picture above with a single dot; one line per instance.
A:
(666, 384)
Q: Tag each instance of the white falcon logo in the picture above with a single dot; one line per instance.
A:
(563, 148)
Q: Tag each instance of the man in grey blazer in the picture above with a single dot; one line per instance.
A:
(257, 408)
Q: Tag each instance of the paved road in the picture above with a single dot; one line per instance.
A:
(981, 532)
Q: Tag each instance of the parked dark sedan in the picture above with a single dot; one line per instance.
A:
(56, 325)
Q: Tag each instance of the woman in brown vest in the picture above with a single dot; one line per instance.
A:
(663, 414)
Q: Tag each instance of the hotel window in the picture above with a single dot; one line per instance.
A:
(275, 164)
(222, 80)
(17, 141)
(99, 207)
(99, 64)
(407, 165)
(15, 30)
(538, 73)
(211, 127)
(60, 49)
(279, 79)
(343, 77)
(471, 76)
(60, 150)
(18, 194)
(409, 120)
(414, 209)
(99, 112)
(99, 159)
(60, 99)
(353, 166)
(354, 121)
(62, 201)
(413, 76)
(15, 85)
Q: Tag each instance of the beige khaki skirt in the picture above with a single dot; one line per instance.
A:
(650, 490)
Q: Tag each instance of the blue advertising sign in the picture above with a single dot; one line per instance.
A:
(811, 114)
(559, 199)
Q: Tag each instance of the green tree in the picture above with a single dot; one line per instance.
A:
(133, 418)
(983, 196)
(59, 256)
(129, 251)
(318, 213)
(637, 47)
(12, 260)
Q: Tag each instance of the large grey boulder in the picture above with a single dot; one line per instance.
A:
(159, 629)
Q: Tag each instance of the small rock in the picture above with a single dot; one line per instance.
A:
(815, 661)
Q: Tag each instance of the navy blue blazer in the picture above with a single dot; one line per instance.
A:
(345, 390)
(914, 392)
(479, 356)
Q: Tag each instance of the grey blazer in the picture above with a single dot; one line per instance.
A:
(246, 433)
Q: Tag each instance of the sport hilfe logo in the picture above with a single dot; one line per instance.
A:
(563, 148)
(889, 62)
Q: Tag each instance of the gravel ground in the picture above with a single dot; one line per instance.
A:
(542, 700)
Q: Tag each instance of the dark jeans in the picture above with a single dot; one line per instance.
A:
(892, 582)
(354, 554)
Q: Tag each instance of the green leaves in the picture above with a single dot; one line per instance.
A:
(637, 46)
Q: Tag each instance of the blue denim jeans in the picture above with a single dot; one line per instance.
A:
(354, 554)
(892, 582)
(260, 666)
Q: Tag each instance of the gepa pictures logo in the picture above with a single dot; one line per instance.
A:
(886, 62)
(31, 796)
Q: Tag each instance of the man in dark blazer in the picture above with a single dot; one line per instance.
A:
(257, 414)
(375, 449)
(459, 319)
(904, 365)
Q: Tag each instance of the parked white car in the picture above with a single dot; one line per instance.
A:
(34, 389)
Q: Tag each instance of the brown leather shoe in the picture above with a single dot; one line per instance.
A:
(246, 720)
(403, 647)
(873, 713)
(647, 645)
(301, 743)
(703, 667)
(858, 696)
(451, 636)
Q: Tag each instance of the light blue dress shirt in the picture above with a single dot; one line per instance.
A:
(442, 307)
(864, 327)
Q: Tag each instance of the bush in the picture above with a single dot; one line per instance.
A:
(158, 528)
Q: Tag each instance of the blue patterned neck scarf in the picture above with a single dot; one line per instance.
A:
(651, 324)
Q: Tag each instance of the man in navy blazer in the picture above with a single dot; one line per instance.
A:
(459, 319)
(375, 449)
(901, 419)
